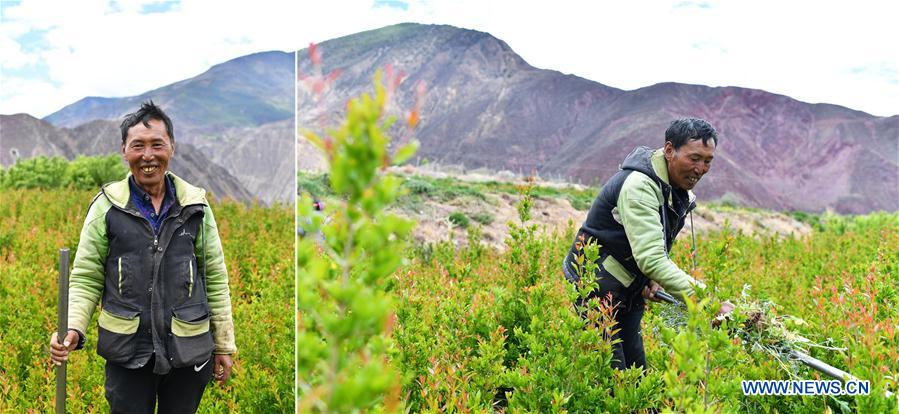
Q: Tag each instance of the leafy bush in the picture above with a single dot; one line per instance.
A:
(92, 172)
(37, 172)
(85, 172)
(482, 217)
(317, 185)
(581, 201)
(459, 219)
(345, 299)
(443, 189)
(419, 186)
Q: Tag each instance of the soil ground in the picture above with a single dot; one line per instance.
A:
(557, 214)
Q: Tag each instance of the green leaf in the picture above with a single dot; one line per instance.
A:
(405, 152)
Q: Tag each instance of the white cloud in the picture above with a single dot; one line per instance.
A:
(13, 100)
(13, 55)
(94, 50)
(812, 51)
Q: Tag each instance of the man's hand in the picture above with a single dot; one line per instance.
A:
(649, 291)
(221, 368)
(59, 353)
(725, 309)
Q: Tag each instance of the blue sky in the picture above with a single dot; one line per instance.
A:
(841, 52)
(57, 52)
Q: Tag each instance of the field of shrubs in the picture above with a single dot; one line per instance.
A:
(478, 329)
(388, 325)
(36, 222)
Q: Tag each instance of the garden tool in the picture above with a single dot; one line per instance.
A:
(62, 322)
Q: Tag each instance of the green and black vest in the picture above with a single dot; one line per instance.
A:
(602, 227)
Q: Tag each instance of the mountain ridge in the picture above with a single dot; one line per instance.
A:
(246, 102)
(486, 107)
(231, 79)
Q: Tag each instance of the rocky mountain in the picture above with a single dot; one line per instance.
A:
(486, 107)
(263, 164)
(29, 137)
(247, 91)
(24, 136)
(239, 113)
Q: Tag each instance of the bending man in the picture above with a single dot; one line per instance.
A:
(634, 219)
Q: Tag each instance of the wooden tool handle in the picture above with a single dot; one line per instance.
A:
(62, 324)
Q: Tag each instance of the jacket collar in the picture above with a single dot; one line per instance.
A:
(118, 192)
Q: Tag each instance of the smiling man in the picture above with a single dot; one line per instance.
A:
(150, 249)
(634, 219)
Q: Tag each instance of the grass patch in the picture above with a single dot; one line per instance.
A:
(421, 188)
(317, 185)
(483, 217)
(459, 219)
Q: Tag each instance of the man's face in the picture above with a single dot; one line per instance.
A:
(687, 164)
(148, 151)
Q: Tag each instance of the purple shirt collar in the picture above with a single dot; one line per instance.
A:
(144, 205)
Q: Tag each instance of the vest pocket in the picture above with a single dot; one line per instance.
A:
(191, 339)
(117, 333)
(614, 267)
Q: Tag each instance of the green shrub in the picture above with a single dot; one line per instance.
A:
(483, 217)
(345, 281)
(317, 185)
(459, 219)
(581, 201)
(37, 172)
(89, 173)
(419, 186)
(84, 172)
(447, 189)
(484, 330)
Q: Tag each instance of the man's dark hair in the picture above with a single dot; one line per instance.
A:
(148, 110)
(684, 129)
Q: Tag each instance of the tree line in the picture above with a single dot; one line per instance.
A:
(84, 172)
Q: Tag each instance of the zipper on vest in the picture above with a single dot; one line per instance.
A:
(120, 275)
(190, 284)
(153, 331)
